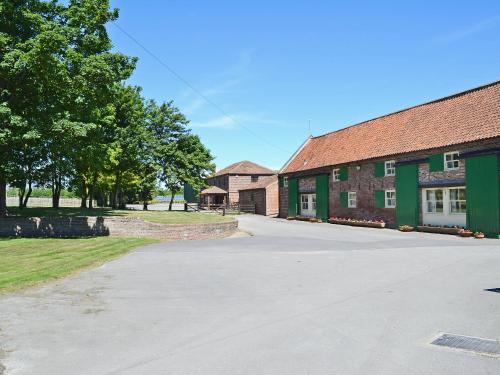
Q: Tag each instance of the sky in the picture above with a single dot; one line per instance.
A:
(271, 73)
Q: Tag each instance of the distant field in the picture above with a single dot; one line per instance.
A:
(25, 262)
(162, 217)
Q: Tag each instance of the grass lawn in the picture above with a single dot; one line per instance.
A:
(163, 217)
(25, 262)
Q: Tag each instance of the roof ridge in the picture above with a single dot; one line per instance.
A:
(448, 97)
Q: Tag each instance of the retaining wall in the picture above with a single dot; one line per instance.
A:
(111, 226)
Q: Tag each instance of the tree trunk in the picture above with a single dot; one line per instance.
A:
(172, 195)
(20, 195)
(116, 191)
(91, 190)
(145, 205)
(3, 196)
(56, 191)
(28, 194)
(83, 203)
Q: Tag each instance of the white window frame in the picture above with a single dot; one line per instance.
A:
(336, 174)
(387, 199)
(456, 200)
(285, 181)
(350, 199)
(446, 168)
(304, 203)
(393, 168)
(442, 202)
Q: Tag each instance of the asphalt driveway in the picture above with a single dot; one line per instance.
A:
(295, 298)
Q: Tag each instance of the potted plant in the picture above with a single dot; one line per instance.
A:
(465, 232)
(406, 228)
(479, 235)
(290, 218)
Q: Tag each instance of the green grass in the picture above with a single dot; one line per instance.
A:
(162, 217)
(25, 262)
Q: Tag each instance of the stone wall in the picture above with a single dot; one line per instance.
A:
(111, 226)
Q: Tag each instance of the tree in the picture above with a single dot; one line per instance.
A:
(181, 156)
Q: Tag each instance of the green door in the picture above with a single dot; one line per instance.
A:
(322, 197)
(482, 193)
(293, 195)
(407, 207)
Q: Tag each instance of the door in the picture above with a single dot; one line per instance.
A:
(308, 205)
(444, 206)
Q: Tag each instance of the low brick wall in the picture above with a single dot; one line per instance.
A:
(111, 226)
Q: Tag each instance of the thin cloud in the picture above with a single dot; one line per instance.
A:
(474, 29)
(232, 121)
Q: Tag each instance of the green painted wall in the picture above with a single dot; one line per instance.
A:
(379, 198)
(293, 196)
(436, 163)
(379, 169)
(343, 174)
(322, 188)
(483, 194)
(407, 207)
(343, 199)
(190, 195)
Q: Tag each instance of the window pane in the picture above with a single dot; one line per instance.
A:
(439, 195)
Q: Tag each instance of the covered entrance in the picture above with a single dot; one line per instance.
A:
(213, 197)
(308, 205)
(444, 206)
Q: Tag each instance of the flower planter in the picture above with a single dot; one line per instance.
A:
(479, 236)
(465, 233)
(406, 228)
(441, 230)
(358, 223)
(291, 218)
(308, 218)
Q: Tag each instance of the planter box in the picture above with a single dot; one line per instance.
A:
(307, 218)
(357, 223)
(424, 228)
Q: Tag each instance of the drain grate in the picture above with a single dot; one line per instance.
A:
(473, 344)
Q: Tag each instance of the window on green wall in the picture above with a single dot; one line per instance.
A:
(451, 161)
(285, 181)
(390, 168)
(390, 198)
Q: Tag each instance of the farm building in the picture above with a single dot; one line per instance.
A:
(263, 196)
(436, 163)
(224, 185)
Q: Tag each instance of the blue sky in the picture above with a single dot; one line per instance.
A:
(275, 65)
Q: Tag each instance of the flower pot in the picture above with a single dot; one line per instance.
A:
(479, 236)
(406, 228)
(466, 233)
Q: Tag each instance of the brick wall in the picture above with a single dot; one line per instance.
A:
(111, 226)
(364, 182)
(265, 200)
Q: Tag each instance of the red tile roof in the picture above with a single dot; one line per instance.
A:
(465, 117)
(244, 167)
(263, 183)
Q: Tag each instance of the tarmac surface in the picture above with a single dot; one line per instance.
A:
(293, 298)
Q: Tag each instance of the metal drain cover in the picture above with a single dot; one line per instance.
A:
(473, 344)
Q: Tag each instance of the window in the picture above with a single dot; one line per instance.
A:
(390, 168)
(434, 200)
(254, 178)
(285, 181)
(351, 199)
(390, 198)
(458, 204)
(451, 161)
(336, 174)
(314, 201)
(304, 202)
